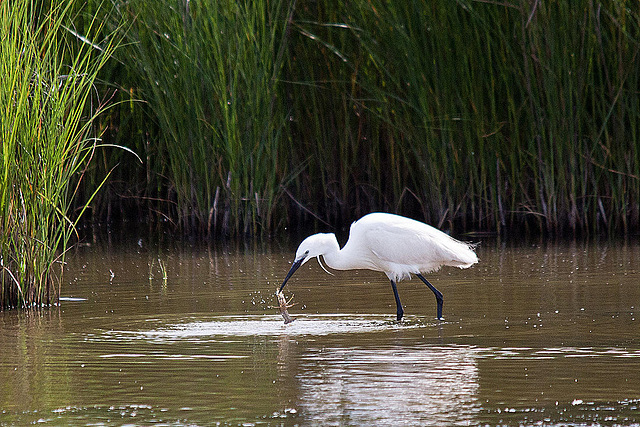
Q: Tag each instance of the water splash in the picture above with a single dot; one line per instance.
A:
(268, 325)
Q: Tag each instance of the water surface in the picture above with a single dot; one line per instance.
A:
(534, 334)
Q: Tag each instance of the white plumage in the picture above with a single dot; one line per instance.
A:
(393, 244)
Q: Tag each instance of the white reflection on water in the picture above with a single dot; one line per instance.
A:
(424, 385)
(268, 325)
(526, 353)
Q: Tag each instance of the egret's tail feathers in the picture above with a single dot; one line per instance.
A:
(466, 265)
(465, 256)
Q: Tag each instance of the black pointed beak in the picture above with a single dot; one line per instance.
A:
(294, 267)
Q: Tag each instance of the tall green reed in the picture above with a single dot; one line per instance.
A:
(210, 71)
(518, 115)
(48, 73)
(483, 113)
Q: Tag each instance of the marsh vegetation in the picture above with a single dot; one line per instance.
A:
(256, 116)
(48, 75)
(471, 115)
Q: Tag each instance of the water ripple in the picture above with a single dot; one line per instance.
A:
(562, 352)
(266, 325)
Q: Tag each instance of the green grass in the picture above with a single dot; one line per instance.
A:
(472, 115)
(48, 74)
(476, 114)
(209, 72)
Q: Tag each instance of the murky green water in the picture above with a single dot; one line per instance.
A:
(534, 334)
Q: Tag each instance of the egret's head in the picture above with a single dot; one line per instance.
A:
(312, 247)
(316, 245)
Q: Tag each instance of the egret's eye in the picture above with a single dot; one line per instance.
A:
(306, 252)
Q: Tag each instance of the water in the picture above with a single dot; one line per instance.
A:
(534, 334)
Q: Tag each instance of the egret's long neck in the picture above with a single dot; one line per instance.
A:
(342, 259)
(335, 261)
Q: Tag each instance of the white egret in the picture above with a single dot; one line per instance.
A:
(393, 244)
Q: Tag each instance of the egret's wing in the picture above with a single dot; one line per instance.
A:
(419, 247)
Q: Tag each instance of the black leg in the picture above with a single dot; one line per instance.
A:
(400, 311)
(436, 292)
